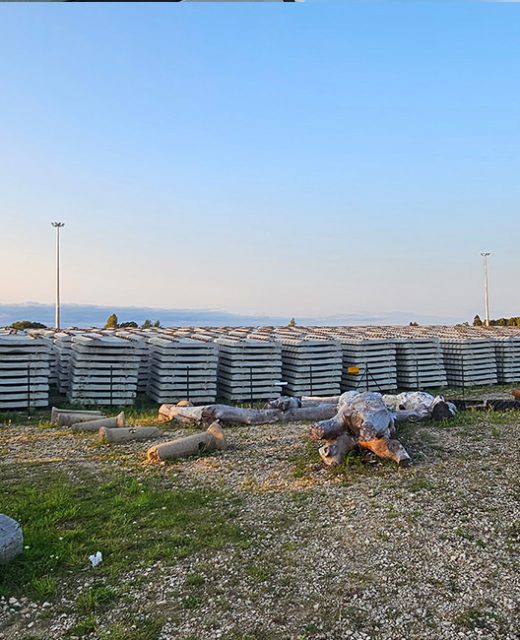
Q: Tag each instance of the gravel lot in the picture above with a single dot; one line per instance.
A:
(366, 551)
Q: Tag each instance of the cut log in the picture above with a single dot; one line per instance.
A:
(122, 434)
(95, 425)
(197, 444)
(68, 419)
(235, 415)
(334, 452)
(388, 448)
(181, 414)
(55, 412)
(11, 539)
(313, 412)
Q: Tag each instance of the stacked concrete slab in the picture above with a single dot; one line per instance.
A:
(102, 370)
(24, 371)
(63, 350)
(182, 369)
(469, 361)
(310, 366)
(376, 361)
(142, 351)
(248, 370)
(508, 359)
(420, 363)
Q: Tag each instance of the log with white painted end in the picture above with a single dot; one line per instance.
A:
(95, 425)
(205, 442)
(11, 539)
(128, 434)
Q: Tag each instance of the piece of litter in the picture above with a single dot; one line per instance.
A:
(96, 558)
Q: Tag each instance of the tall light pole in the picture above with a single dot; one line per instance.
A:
(57, 226)
(485, 255)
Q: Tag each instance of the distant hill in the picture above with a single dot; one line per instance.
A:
(86, 315)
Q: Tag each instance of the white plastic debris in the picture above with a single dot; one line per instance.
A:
(96, 558)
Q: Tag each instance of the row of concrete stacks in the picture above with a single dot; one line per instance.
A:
(242, 364)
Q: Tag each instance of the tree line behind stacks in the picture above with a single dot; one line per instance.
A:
(501, 322)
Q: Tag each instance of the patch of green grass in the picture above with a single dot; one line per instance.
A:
(94, 599)
(477, 618)
(132, 521)
(305, 460)
(84, 626)
(259, 573)
(194, 580)
(418, 482)
(43, 587)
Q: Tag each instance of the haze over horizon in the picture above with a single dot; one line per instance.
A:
(298, 160)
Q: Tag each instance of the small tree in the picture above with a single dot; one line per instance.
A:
(477, 322)
(128, 325)
(146, 324)
(292, 322)
(413, 324)
(111, 322)
(157, 323)
(27, 324)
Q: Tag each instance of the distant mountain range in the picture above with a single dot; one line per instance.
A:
(87, 315)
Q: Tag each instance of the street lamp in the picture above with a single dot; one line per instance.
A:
(485, 255)
(57, 226)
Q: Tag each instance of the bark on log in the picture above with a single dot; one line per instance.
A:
(309, 401)
(128, 434)
(388, 448)
(197, 444)
(234, 415)
(95, 425)
(11, 539)
(55, 412)
(67, 419)
(334, 452)
(314, 412)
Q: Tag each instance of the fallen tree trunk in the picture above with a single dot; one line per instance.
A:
(95, 425)
(210, 440)
(128, 434)
(234, 415)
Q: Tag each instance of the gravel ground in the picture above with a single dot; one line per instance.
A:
(368, 551)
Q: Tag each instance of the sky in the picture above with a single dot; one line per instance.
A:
(306, 159)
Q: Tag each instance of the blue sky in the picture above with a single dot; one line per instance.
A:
(275, 159)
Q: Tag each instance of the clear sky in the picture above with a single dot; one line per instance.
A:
(288, 159)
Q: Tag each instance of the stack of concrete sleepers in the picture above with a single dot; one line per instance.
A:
(248, 369)
(420, 363)
(469, 361)
(311, 367)
(24, 371)
(63, 347)
(142, 351)
(182, 369)
(102, 370)
(368, 364)
(507, 350)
